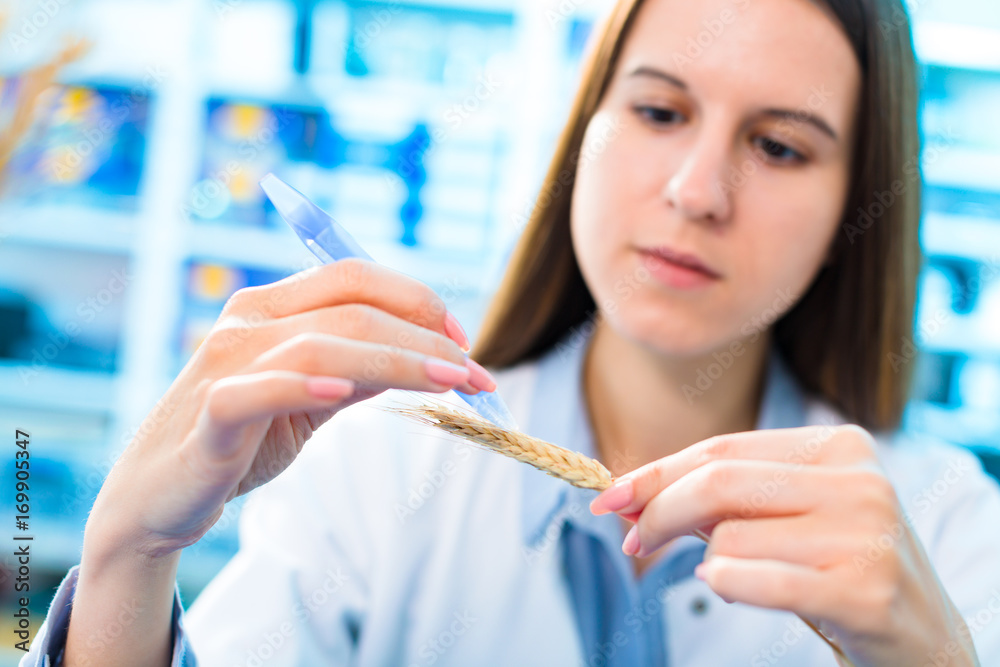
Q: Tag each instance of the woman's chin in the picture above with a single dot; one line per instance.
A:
(668, 336)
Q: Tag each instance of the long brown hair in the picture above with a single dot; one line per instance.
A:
(845, 338)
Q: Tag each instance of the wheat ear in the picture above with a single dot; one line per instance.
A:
(573, 467)
(34, 83)
(567, 465)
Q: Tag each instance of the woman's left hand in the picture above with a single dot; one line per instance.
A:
(803, 520)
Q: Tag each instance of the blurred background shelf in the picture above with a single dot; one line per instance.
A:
(43, 386)
(973, 237)
(264, 248)
(936, 42)
(72, 227)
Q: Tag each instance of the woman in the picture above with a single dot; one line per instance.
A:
(691, 271)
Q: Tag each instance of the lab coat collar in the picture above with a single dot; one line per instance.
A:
(559, 416)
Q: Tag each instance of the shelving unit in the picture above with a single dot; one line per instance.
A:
(959, 366)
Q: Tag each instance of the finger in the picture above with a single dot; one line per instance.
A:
(351, 281)
(369, 365)
(797, 539)
(724, 490)
(240, 400)
(772, 584)
(367, 323)
(806, 445)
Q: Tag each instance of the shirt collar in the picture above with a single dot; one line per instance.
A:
(558, 415)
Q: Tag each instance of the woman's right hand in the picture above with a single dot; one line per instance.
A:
(281, 360)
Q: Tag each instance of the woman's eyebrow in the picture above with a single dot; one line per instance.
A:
(801, 116)
(643, 70)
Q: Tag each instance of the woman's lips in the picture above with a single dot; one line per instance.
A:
(677, 269)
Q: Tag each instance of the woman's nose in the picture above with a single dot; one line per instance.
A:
(697, 189)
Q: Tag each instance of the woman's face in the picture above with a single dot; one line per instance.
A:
(723, 143)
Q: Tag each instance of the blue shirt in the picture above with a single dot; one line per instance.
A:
(386, 543)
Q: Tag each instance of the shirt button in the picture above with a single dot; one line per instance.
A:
(699, 606)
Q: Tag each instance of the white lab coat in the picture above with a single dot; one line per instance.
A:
(387, 543)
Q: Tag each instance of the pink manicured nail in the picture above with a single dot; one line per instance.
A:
(631, 544)
(479, 377)
(456, 332)
(324, 387)
(613, 498)
(699, 571)
(468, 389)
(445, 373)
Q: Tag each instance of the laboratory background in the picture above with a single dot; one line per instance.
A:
(132, 211)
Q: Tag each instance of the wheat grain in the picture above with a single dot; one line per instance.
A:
(567, 465)
(27, 96)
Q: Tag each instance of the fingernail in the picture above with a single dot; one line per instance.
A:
(479, 377)
(613, 498)
(467, 388)
(456, 332)
(699, 571)
(445, 373)
(327, 387)
(631, 544)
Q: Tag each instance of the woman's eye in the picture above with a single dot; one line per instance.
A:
(778, 151)
(658, 115)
